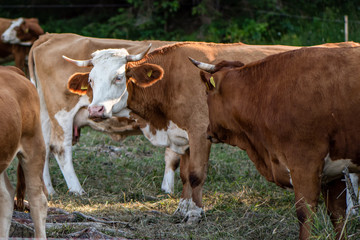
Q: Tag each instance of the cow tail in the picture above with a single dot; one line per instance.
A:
(20, 188)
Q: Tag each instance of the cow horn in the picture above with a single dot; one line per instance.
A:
(29, 43)
(134, 58)
(203, 66)
(79, 63)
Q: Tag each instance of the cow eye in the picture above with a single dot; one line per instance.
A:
(90, 81)
(118, 79)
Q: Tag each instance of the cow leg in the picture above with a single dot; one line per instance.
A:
(335, 200)
(307, 186)
(64, 160)
(7, 194)
(172, 161)
(193, 177)
(31, 159)
(355, 182)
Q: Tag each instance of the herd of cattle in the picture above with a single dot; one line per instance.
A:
(293, 110)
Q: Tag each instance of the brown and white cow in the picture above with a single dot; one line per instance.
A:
(296, 111)
(17, 36)
(21, 136)
(63, 113)
(174, 115)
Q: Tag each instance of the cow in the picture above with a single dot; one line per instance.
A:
(295, 111)
(170, 113)
(63, 113)
(21, 137)
(17, 36)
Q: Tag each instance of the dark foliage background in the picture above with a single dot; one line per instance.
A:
(292, 22)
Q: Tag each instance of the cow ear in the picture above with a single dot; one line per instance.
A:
(24, 27)
(145, 75)
(208, 80)
(78, 83)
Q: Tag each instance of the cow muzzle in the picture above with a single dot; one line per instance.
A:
(97, 113)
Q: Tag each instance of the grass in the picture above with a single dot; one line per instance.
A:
(122, 181)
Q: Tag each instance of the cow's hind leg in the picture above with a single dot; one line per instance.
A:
(7, 193)
(172, 161)
(32, 157)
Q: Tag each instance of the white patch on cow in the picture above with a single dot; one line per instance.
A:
(189, 210)
(46, 131)
(9, 36)
(168, 181)
(290, 180)
(109, 80)
(334, 169)
(65, 120)
(174, 137)
(355, 182)
(7, 194)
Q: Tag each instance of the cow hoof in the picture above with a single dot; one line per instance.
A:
(193, 216)
(188, 209)
(77, 193)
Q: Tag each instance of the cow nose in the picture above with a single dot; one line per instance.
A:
(96, 111)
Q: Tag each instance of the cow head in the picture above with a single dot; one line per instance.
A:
(107, 81)
(212, 77)
(22, 31)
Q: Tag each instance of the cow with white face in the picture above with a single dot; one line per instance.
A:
(63, 114)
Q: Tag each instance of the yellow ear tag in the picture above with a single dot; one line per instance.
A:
(149, 73)
(84, 87)
(26, 30)
(212, 81)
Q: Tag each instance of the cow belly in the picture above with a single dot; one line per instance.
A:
(334, 168)
(173, 137)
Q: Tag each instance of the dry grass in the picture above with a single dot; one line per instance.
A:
(125, 186)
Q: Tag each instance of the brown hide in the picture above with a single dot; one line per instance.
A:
(173, 98)
(21, 134)
(294, 108)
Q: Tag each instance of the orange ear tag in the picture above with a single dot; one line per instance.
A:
(212, 81)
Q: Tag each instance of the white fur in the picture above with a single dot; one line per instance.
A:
(7, 194)
(65, 120)
(109, 64)
(9, 36)
(333, 169)
(46, 130)
(174, 137)
(189, 210)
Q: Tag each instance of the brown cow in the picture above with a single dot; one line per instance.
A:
(63, 113)
(295, 111)
(17, 36)
(21, 136)
(174, 115)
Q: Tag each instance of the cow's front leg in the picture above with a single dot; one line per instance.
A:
(193, 170)
(307, 186)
